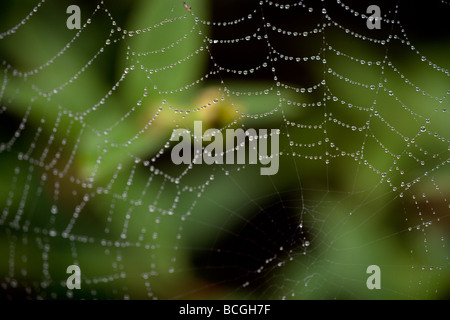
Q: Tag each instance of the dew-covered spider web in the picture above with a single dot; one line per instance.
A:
(85, 153)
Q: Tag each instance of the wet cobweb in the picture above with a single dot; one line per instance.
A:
(87, 178)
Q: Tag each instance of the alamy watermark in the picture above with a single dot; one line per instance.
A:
(74, 20)
(374, 280)
(235, 142)
(374, 20)
(73, 281)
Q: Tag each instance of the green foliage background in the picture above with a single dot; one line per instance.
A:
(341, 245)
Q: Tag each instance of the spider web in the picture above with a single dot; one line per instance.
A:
(87, 177)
